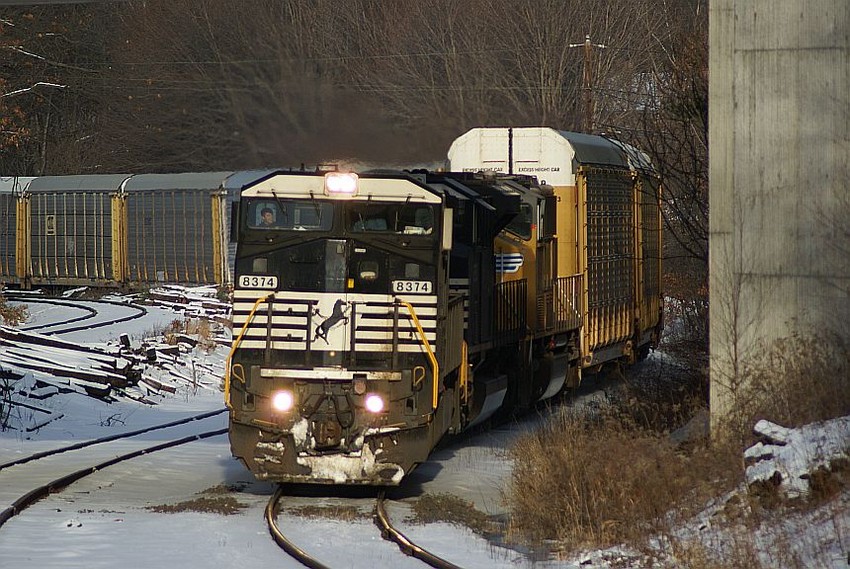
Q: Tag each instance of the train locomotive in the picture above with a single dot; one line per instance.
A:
(374, 313)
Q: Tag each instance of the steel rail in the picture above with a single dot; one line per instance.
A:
(388, 532)
(140, 311)
(404, 544)
(110, 438)
(57, 485)
(90, 313)
(292, 549)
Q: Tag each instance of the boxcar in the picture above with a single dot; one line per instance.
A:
(118, 229)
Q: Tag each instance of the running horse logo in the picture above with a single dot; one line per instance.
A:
(338, 315)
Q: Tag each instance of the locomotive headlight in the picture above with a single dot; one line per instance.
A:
(374, 403)
(282, 401)
(341, 183)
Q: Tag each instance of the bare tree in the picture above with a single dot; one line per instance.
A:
(240, 85)
(209, 84)
(432, 64)
(664, 111)
(672, 126)
(49, 103)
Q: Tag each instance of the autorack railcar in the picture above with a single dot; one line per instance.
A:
(607, 243)
(118, 230)
(376, 313)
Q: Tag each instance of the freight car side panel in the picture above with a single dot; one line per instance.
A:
(649, 254)
(171, 237)
(608, 253)
(8, 238)
(71, 238)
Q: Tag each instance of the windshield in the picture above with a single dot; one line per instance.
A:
(293, 215)
(521, 224)
(405, 218)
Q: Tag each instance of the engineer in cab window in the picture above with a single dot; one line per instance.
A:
(267, 218)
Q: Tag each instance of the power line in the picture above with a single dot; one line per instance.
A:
(330, 58)
(54, 2)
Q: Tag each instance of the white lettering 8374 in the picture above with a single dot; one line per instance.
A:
(413, 287)
(258, 281)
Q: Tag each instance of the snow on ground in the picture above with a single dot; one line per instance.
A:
(787, 457)
(105, 521)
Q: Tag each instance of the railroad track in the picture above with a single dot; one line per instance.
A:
(43, 490)
(90, 313)
(98, 369)
(388, 532)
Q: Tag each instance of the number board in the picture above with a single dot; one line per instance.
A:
(258, 281)
(412, 287)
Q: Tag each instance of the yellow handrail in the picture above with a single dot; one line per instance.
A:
(235, 344)
(464, 371)
(435, 367)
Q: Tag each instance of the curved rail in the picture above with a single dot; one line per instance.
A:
(37, 494)
(90, 313)
(140, 311)
(388, 532)
(109, 438)
(404, 544)
(281, 540)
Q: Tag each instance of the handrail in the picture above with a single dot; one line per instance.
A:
(435, 367)
(464, 371)
(235, 344)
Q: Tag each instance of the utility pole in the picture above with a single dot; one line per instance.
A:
(587, 81)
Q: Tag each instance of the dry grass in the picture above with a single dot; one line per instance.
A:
(430, 508)
(198, 328)
(792, 382)
(331, 512)
(605, 482)
(789, 536)
(12, 315)
(215, 500)
(659, 400)
(590, 481)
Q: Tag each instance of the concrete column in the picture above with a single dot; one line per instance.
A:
(779, 151)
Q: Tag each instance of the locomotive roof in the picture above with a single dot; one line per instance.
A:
(239, 179)
(453, 189)
(299, 184)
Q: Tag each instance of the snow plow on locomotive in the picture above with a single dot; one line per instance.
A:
(374, 314)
